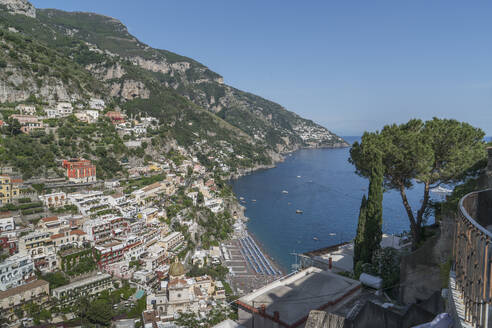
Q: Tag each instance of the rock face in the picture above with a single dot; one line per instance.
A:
(22, 7)
(130, 89)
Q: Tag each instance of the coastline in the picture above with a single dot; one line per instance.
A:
(243, 218)
(280, 157)
(280, 268)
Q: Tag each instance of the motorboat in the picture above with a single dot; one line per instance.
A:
(441, 190)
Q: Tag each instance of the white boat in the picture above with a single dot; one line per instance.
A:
(241, 198)
(299, 211)
(332, 234)
(315, 238)
(441, 190)
(253, 200)
(298, 176)
(285, 192)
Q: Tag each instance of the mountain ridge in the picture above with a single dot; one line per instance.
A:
(138, 78)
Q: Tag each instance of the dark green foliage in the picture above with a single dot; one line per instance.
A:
(432, 152)
(217, 272)
(359, 241)
(56, 279)
(53, 48)
(374, 210)
(369, 229)
(85, 264)
(100, 312)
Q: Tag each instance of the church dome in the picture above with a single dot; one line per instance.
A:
(177, 269)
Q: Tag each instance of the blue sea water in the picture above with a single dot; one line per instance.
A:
(327, 191)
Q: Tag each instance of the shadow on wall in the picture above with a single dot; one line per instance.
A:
(372, 315)
(287, 302)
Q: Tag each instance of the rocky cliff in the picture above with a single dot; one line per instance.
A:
(74, 56)
(22, 7)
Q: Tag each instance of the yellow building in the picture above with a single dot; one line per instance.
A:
(9, 189)
(155, 168)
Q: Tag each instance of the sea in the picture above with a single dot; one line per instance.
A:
(324, 186)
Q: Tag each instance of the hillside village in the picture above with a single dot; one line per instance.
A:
(76, 235)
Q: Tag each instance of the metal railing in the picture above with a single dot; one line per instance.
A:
(472, 251)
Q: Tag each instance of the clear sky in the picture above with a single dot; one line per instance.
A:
(349, 65)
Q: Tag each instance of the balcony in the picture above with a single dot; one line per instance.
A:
(471, 281)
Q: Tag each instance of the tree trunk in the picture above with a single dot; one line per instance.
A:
(415, 229)
(425, 202)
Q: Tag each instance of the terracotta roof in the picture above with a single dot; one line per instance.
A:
(117, 195)
(50, 219)
(22, 288)
(77, 232)
(152, 186)
(198, 292)
(17, 181)
(56, 236)
(176, 282)
(149, 316)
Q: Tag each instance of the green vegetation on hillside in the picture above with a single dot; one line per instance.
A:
(35, 154)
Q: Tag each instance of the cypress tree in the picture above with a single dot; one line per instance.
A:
(359, 238)
(369, 228)
(374, 212)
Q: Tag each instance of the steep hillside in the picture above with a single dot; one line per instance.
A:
(74, 56)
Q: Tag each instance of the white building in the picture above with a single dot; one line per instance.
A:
(7, 224)
(93, 115)
(97, 104)
(74, 238)
(57, 199)
(156, 255)
(15, 271)
(64, 109)
(89, 202)
(214, 204)
(117, 199)
(89, 286)
(111, 184)
(101, 229)
(172, 240)
(51, 112)
(26, 109)
(40, 247)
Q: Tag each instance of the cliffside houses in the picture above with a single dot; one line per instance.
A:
(79, 170)
(89, 202)
(54, 200)
(116, 117)
(121, 229)
(180, 294)
(9, 189)
(37, 291)
(26, 109)
(97, 104)
(16, 271)
(62, 109)
(86, 287)
(28, 123)
(87, 116)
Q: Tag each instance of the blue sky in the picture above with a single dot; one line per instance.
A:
(349, 65)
